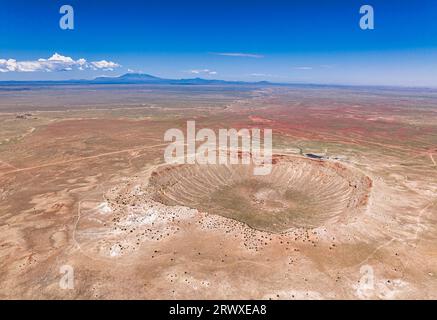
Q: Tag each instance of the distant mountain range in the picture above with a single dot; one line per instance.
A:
(147, 78)
(143, 78)
(139, 78)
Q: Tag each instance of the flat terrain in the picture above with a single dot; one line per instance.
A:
(349, 210)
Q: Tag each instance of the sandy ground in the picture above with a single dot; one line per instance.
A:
(85, 214)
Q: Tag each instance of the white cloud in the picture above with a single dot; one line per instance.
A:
(266, 75)
(203, 71)
(60, 58)
(303, 68)
(239, 54)
(55, 63)
(105, 65)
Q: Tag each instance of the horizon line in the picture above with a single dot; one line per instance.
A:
(225, 82)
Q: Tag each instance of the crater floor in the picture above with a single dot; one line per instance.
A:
(299, 192)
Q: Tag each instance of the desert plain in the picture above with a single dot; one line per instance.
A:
(349, 210)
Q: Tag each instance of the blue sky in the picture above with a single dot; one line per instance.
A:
(283, 41)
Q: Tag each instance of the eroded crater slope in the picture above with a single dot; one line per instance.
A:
(299, 193)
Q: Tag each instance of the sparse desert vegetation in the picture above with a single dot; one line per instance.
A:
(83, 183)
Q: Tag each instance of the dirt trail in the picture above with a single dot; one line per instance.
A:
(80, 159)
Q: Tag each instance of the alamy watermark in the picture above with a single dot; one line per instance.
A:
(67, 279)
(366, 287)
(67, 20)
(232, 146)
(367, 20)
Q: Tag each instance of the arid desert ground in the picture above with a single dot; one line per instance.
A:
(349, 210)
